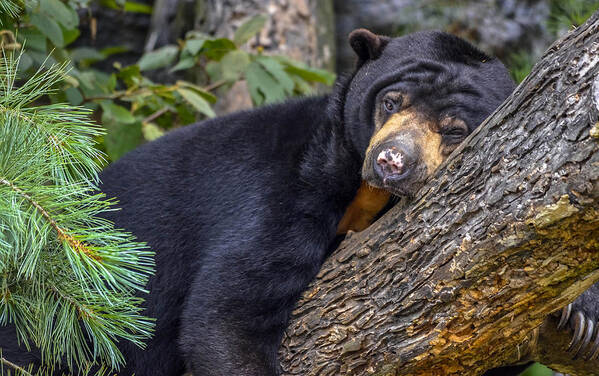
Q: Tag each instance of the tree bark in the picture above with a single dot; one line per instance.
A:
(300, 29)
(506, 232)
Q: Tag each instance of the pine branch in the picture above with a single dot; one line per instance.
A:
(67, 277)
(10, 7)
(10, 364)
(62, 233)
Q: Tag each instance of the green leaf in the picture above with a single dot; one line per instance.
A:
(33, 38)
(127, 6)
(199, 103)
(74, 96)
(111, 82)
(94, 83)
(115, 113)
(40, 58)
(249, 29)
(123, 131)
(185, 63)
(193, 46)
(194, 34)
(313, 74)
(60, 12)
(214, 71)
(113, 50)
(70, 80)
(151, 131)
(25, 62)
(121, 137)
(86, 79)
(159, 58)
(301, 85)
(135, 7)
(277, 70)
(186, 116)
(307, 73)
(130, 75)
(48, 27)
(215, 49)
(86, 54)
(70, 35)
(199, 90)
(262, 86)
(160, 92)
(537, 369)
(233, 64)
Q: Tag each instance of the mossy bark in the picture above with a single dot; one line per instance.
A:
(506, 232)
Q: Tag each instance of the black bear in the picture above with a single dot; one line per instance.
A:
(242, 210)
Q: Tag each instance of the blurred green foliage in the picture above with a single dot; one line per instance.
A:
(568, 14)
(520, 64)
(537, 370)
(131, 106)
(564, 15)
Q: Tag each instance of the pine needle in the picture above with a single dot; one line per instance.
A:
(68, 279)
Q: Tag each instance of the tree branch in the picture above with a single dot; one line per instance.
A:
(506, 232)
(10, 364)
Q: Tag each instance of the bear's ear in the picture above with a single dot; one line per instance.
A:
(367, 45)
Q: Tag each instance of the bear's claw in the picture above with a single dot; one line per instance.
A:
(584, 330)
(566, 312)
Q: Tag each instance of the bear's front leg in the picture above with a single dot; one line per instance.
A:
(222, 350)
(239, 305)
(221, 335)
(218, 343)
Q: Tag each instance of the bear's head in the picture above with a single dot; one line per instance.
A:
(412, 100)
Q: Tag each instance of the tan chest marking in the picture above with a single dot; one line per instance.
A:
(369, 201)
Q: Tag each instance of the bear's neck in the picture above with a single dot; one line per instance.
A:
(330, 170)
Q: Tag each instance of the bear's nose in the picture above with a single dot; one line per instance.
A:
(391, 161)
(392, 164)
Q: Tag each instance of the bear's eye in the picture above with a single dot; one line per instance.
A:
(454, 134)
(390, 105)
(454, 131)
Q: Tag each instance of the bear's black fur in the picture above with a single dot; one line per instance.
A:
(242, 210)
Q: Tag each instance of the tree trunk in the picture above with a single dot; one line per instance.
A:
(505, 233)
(300, 29)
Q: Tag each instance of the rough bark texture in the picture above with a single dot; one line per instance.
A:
(506, 232)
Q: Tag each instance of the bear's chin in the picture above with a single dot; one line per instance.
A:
(401, 191)
(407, 190)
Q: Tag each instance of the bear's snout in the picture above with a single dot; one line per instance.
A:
(392, 164)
